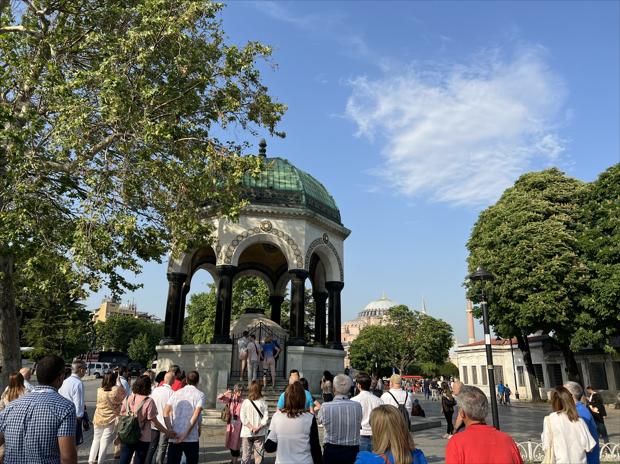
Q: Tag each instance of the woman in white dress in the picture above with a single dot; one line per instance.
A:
(565, 438)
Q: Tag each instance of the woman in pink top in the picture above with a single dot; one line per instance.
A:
(147, 415)
(234, 426)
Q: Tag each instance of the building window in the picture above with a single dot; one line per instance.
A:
(499, 374)
(598, 376)
(538, 372)
(465, 377)
(520, 377)
(483, 374)
(554, 371)
(474, 375)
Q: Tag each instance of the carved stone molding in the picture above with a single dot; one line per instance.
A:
(324, 241)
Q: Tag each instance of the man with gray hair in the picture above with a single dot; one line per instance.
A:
(479, 442)
(73, 389)
(342, 419)
(593, 456)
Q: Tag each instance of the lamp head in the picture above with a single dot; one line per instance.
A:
(480, 274)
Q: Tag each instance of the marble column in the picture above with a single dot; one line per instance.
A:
(275, 301)
(180, 325)
(296, 329)
(334, 289)
(320, 300)
(173, 307)
(223, 308)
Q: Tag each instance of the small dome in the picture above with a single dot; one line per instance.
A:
(284, 185)
(378, 308)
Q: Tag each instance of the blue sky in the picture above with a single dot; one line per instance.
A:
(417, 115)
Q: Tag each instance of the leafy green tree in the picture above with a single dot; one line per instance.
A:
(599, 242)
(142, 349)
(528, 241)
(51, 319)
(248, 292)
(375, 348)
(408, 341)
(117, 332)
(108, 150)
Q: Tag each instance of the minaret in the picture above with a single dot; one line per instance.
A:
(470, 323)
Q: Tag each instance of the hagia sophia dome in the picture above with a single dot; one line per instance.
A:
(377, 308)
(374, 313)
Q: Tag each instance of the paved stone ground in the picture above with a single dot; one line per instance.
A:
(523, 421)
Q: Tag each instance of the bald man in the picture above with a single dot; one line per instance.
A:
(26, 373)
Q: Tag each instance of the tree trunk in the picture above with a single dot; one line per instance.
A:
(571, 364)
(10, 354)
(524, 346)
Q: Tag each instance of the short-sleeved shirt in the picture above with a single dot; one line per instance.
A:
(292, 434)
(184, 402)
(309, 400)
(145, 415)
(32, 424)
(253, 351)
(268, 349)
(482, 443)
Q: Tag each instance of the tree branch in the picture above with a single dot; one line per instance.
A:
(19, 29)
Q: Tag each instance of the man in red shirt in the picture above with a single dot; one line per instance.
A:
(479, 443)
(177, 384)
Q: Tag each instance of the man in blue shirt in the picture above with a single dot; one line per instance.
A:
(292, 378)
(500, 391)
(594, 456)
(39, 427)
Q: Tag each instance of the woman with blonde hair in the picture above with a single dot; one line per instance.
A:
(565, 437)
(391, 441)
(109, 401)
(15, 389)
(270, 351)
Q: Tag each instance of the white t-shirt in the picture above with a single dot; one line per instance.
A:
(400, 396)
(184, 402)
(369, 402)
(160, 396)
(292, 434)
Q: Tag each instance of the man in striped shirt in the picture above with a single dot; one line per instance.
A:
(342, 419)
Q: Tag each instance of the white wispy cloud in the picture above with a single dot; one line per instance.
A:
(463, 133)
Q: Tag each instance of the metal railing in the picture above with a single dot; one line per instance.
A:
(261, 331)
(532, 451)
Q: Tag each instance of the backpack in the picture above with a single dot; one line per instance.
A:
(129, 429)
(403, 410)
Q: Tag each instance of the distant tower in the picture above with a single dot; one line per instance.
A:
(424, 305)
(471, 335)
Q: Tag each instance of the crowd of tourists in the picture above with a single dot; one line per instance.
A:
(157, 419)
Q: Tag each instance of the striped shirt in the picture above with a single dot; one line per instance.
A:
(342, 419)
(32, 424)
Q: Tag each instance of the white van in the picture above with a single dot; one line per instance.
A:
(98, 369)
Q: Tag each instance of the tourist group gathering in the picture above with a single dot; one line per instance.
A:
(157, 419)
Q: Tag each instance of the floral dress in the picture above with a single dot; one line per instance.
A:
(233, 428)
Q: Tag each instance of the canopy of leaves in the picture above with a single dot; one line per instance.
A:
(599, 240)
(529, 241)
(117, 333)
(142, 349)
(408, 340)
(108, 151)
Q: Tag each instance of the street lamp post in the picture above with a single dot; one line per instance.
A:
(482, 275)
(514, 370)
